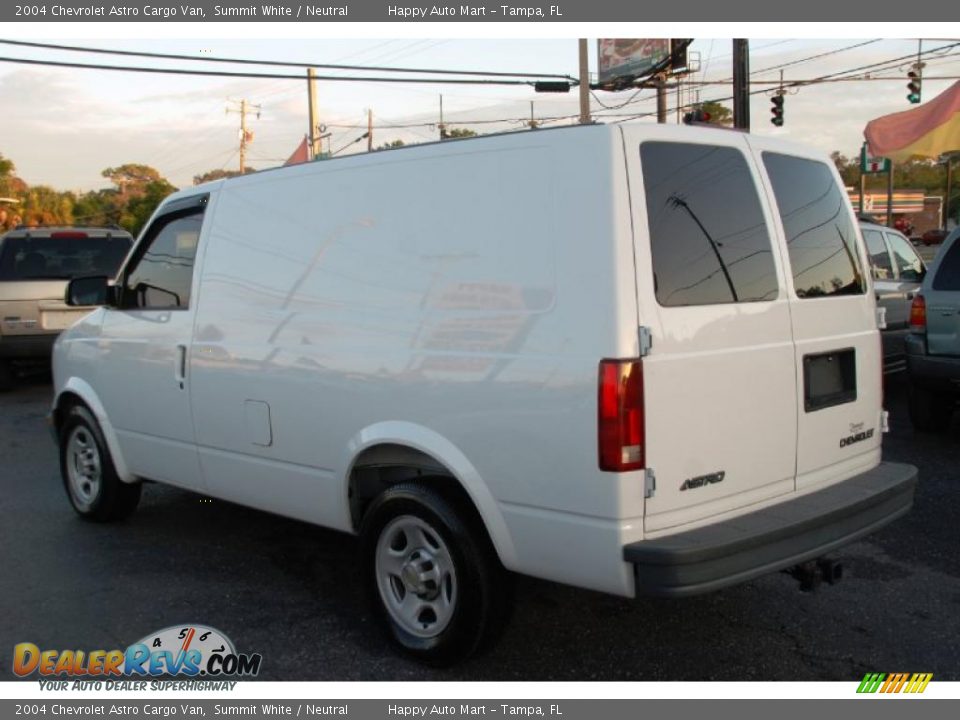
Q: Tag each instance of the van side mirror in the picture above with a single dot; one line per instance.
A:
(91, 290)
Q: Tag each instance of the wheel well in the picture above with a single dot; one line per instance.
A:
(66, 401)
(381, 466)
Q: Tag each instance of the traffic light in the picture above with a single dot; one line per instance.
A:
(777, 110)
(914, 85)
(698, 115)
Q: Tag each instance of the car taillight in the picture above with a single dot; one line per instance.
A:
(620, 417)
(68, 235)
(918, 315)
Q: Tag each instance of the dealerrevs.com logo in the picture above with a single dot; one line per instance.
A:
(886, 683)
(190, 651)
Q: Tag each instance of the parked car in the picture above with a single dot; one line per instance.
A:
(897, 271)
(35, 265)
(635, 358)
(933, 345)
(934, 236)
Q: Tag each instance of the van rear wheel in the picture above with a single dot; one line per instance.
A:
(93, 487)
(432, 575)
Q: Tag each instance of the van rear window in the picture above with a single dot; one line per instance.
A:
(708, 236)
(820, 232)
(50, 258)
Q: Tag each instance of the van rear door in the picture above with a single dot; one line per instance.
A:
(833, 312)
(719, 383)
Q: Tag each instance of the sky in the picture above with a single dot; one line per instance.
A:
(62, 127)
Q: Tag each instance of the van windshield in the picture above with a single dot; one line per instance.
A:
(52, 258)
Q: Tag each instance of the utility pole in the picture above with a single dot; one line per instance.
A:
(314, 137)
(741, 84)
(533, 124)
(369, 129)
(946, 199)
(661, 100)
(246, 136)
(584, 84)
(441, 127)
(890, 195)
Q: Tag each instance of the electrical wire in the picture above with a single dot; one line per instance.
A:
(275, 63)
(269, 76)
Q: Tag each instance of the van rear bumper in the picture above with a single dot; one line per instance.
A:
(774, 538)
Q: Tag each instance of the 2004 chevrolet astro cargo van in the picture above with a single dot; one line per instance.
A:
(634, 358)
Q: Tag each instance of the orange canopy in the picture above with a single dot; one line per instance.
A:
(929, 130)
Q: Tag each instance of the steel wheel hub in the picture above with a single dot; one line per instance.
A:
(83, 467)
(415, 576)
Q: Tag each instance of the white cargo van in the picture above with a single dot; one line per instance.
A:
(634, 358)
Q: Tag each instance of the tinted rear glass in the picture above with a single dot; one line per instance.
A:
(879, 257)
(948, 269)
(708, 237)
(820, 232)
(46, 258)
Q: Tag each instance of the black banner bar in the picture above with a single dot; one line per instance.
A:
(529, 11)
(446, 709)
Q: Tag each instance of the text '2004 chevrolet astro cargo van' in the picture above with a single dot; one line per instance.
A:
(633, 358)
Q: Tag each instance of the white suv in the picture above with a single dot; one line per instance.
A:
(634, 358)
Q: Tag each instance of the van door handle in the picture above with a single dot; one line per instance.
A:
(180, 374)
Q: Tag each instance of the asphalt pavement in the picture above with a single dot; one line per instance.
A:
(291, 591)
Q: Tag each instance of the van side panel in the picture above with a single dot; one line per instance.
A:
(469, 289)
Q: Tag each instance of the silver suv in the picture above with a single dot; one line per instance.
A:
(35, 266)
(898, 272)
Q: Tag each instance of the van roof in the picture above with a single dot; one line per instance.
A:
(697, 130)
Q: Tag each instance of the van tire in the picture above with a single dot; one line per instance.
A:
(929, 411)
(90, 479)
(6, 376)
(462, 594)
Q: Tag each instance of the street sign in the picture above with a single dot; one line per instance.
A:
(873, 165)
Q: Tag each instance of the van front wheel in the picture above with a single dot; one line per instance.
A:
(436, 583)
(95, 490)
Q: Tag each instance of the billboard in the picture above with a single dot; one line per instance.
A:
(620, 59)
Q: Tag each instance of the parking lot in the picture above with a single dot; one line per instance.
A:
(291, 592)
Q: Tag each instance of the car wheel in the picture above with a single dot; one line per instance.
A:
(432, 574)
(929, 412)
(95, 490)
(6, 377)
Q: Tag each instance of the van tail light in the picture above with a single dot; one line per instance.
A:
(621, 431)
(68, 235)
(918, 314)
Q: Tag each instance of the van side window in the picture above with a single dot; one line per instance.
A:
(162, 272)
(708, 237)
(820, 232)
(908, 262)
(879, 256)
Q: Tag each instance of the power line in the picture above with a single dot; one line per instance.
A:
(275, 63)
(269, 76)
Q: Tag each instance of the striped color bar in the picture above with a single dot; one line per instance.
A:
(895, 682)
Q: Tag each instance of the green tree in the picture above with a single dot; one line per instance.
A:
(219, 174)
(42, 205)
(132, 178)
(461, 133)
(390, 145)
(139, 209)
(719, 114)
